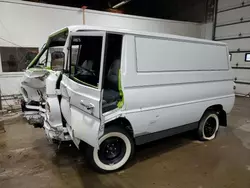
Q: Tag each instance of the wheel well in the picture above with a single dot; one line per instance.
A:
(220, 112)
(122, 122)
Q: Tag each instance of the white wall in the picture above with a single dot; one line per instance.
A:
(233, 28)
(207, 30)
(97, 18)
(28, 25)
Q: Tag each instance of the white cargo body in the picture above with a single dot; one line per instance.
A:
(171, 77)
(117, 88)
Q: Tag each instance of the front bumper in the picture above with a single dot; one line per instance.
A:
(33, 113)
(56, 133)
(32, 106)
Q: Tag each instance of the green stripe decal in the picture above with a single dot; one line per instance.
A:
(121, 102)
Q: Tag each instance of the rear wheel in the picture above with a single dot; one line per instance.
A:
(115, 149)
(208, 126)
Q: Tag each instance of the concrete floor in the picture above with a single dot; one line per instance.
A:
(27, 160)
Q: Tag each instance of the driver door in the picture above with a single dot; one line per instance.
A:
(81, 87)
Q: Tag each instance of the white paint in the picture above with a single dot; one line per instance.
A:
(54, 118)
(84, 123)
(157, 55)
(161, 97)
(32, 82)
(153, 101)
(181, 91)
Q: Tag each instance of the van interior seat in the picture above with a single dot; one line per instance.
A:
(111, 93)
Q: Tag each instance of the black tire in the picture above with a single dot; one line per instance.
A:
(208, 126)
(115, 150)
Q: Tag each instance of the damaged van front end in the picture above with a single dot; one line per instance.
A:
(33, 84)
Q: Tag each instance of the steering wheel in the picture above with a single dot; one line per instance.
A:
(82, 69)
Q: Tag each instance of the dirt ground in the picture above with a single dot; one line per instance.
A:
(27, 160)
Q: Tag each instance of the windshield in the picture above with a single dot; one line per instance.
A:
(51, 55)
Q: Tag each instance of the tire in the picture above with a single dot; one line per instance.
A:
(115, 149)
(208, 126)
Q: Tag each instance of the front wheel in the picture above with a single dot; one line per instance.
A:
(115, 149)
(208, 126)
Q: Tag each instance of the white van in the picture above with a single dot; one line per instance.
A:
(120, 88)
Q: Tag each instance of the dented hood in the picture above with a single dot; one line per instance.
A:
(35, 78)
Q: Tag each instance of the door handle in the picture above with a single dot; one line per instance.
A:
(89, 107)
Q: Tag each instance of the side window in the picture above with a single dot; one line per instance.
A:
(74, 56)
(112, 95)
(85, 59)
(57, 61)
(112, 61)
(55, 58)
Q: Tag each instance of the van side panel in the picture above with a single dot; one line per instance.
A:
(159, 100)
(165, 55)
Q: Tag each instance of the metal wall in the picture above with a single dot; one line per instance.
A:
(233, 27)
(124, 21)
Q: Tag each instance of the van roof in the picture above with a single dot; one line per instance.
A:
(76, 28)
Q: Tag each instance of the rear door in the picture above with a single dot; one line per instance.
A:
(81, 87)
